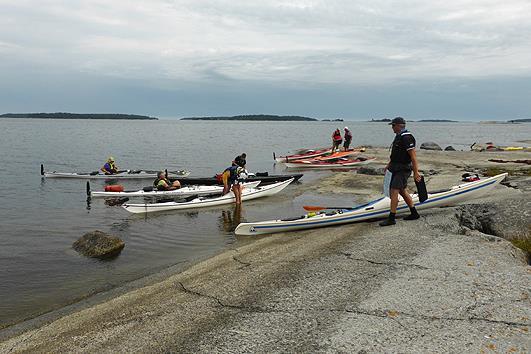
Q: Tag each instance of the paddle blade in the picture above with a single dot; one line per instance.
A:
(313, 208)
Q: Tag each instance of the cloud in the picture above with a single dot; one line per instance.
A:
(300, 44)
(308, 41)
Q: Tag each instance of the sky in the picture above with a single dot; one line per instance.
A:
(420, 59)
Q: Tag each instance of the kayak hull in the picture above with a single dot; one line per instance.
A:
(247, 194)
(140, 175)
(127, 174)
(348, 163)
(181, 192)
(373, 210)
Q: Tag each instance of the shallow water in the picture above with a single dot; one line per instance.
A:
(42, 218)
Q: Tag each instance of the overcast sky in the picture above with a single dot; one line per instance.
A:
(458, 59)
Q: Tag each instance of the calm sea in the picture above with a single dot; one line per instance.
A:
(40, 219)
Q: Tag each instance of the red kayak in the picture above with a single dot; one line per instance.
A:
(308, 154)
(324, 154)
(338, 163)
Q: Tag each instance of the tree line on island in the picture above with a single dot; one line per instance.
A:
(255, 117)
(249, 117)
(63, 115)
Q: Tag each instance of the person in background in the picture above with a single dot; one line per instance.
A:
(348, 139)
(109, 168)
(403, 160)
(336, 140)
(240, 160)
(162, 183)
(232, 177)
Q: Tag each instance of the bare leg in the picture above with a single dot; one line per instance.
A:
(394, 199)
(407, 198)
(409, 201)
(237, 193)
(176, 184)
(394, 204)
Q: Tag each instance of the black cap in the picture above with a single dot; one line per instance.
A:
(398, 120)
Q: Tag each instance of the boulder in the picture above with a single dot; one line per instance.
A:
(98, 244)
(449, 148)
(508, 219)
(430, 146)
(370, 170)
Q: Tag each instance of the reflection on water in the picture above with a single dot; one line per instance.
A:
(192, 214)
(229, 219)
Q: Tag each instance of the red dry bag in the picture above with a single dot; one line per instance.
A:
(114, 188)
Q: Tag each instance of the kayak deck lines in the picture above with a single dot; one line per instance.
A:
(181, 192)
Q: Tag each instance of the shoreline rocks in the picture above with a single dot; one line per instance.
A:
(430, 145)
(98, 244)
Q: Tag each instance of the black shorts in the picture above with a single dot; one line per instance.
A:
(399, 179)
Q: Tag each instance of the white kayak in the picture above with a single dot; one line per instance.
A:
(181, 192)
(376, 209)
(201, 202)
(126, 174)
(335, 164)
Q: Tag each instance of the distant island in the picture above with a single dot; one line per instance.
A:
(422, 120)
(62, 115)
(332, 120)
(523, 120)
(438, 121)
(255, 117)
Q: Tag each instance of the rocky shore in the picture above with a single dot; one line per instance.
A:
(450, 282)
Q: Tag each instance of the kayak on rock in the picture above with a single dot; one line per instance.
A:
(378, 208)
(324, 154)
(346, 162)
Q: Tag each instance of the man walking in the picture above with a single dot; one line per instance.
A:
(403, 160)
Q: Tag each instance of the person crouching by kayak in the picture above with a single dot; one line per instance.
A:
(336, 140)
(240, 160)
(402, 161)
(109, 168)
(348, 139)
(232, 177)
(162, 183)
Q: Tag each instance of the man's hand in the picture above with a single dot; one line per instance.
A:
(417, 176)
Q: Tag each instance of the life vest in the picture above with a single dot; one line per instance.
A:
(336, 136)
(157, 181)
(109, 167)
